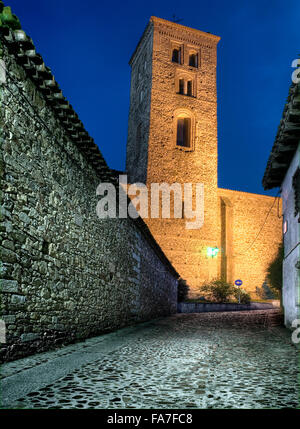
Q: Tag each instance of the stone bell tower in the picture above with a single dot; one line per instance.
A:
(172, 134)
(172, 138)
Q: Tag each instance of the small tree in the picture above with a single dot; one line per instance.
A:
(218, 291)
(265, 292)
(242, 296)
(182, 290)
(274, 271)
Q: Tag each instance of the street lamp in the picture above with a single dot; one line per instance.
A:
(212, 251)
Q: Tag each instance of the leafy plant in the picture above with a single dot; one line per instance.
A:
(265, 292)
(242, 296)
(182, 290)
(218, 291)
(274, 270)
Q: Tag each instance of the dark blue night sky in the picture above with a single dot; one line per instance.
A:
(88, 44)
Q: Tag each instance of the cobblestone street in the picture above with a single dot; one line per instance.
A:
(212, 360)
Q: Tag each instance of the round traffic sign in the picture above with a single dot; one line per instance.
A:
(238, 282)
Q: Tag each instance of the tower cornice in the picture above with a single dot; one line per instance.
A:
(180, 27)
(153, 21)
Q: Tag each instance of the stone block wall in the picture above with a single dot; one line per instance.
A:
(66, 274)
(246, 235)
(139, 113)
(250, 236)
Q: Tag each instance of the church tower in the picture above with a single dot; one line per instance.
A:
(172, 135)
(172, 138)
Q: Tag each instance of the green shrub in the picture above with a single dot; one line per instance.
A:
(265, 292)
(242, 296)
(182, 290)
(218, 291)
(274, 271)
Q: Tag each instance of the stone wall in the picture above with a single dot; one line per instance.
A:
(251, 235)
(139, 114)
(199, 307)
(246, 235)
(66, 274)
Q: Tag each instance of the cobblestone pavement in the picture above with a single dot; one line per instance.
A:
(212, 360)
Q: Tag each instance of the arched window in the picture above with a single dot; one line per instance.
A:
(181, 86)
(176, 55)
(189, 88)
(193, 60)
(184, 129)
(183, 137)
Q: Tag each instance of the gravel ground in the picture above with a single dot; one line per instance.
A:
(210, 360)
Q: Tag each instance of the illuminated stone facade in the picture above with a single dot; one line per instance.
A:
(174, 80)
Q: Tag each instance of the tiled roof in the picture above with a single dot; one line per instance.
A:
(286, 141)
(21, 46)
